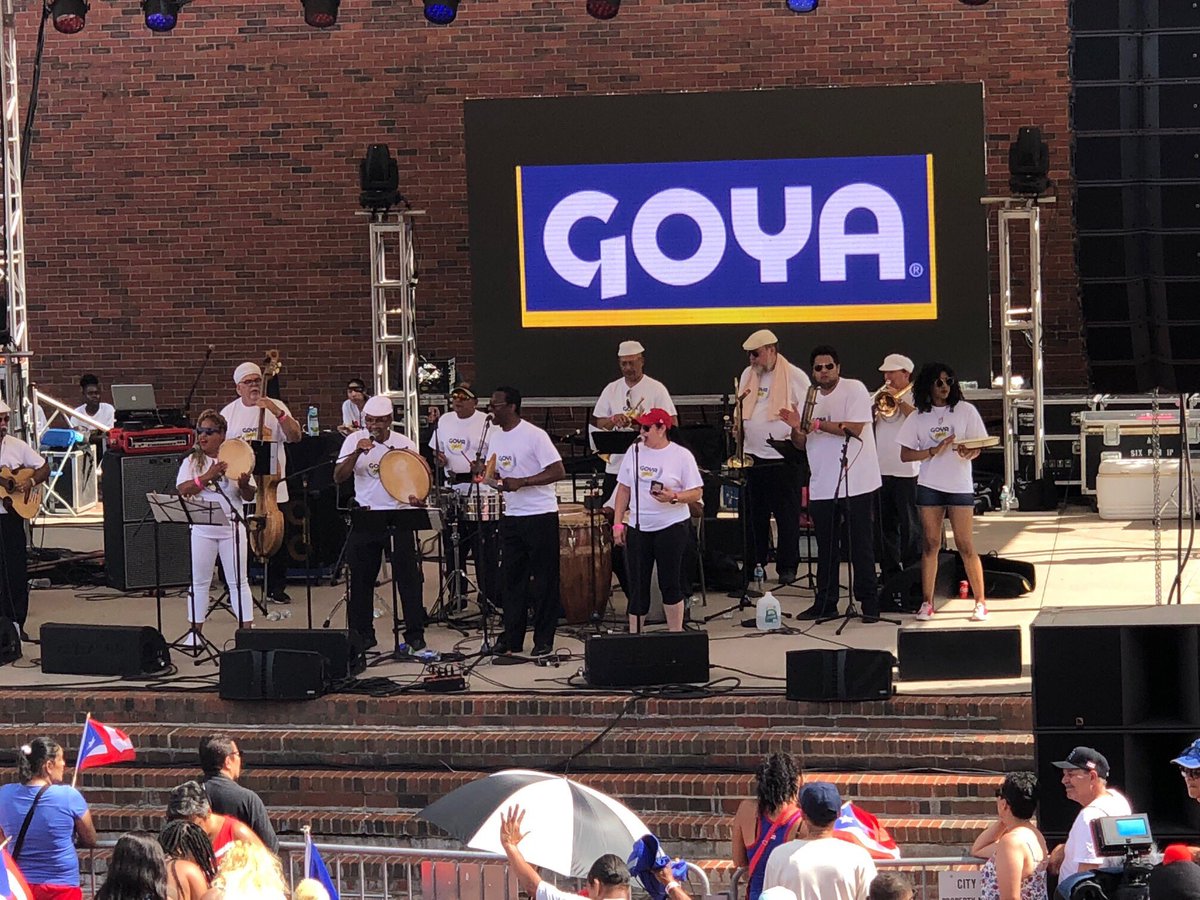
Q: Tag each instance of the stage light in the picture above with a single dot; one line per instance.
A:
(1028, 163)
(379, 178)
(161, 15)
(803, 6)
(320, 13)
(441, 12)
(69, 15)
(603, 9)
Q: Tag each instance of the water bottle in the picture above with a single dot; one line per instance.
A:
(313, 427)
(759, 577)
(277, 615)
(1005, 499)
(767, 615)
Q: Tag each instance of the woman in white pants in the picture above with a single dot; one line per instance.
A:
(202, 476)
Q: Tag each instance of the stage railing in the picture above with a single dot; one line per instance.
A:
(923, 870)
(366, 872)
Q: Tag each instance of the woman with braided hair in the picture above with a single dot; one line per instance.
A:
(189, 803)
(772, 819)
(191, 866)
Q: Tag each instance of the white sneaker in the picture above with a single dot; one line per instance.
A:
(980, 614)
(925, 613)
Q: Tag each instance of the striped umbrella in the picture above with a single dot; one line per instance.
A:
(567, 825)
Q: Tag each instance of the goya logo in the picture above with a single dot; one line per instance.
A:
(803, 240)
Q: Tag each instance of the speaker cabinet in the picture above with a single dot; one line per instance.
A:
(126, 650)
(343, 653)
(273, 675)
(129, 530)
(929, 653)
(631, 660)
(839, 674)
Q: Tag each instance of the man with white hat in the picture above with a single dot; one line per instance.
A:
(900, 525)
(278, 427)
(29, 469)
(768, 385)
(633, 394)
(360, 455)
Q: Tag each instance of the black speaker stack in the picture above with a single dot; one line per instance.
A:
(126, 650)
(288, 663)
(129, 530)
(1125, 681)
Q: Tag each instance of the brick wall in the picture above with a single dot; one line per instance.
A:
(201, 187)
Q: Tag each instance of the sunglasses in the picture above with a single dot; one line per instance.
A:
(826, 367)
(649, 427)
(1190, 774)
(754, 353)
(945, 382)
(355, 388)
(209, 431)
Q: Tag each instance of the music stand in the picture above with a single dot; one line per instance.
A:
(189, 511)
(614, 441)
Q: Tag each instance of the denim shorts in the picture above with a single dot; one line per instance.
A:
(927, 496)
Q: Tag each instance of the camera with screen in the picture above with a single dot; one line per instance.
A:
(1128, 837)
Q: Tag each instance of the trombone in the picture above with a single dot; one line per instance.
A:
(740, 459)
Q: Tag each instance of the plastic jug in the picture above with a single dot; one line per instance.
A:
(767, 616)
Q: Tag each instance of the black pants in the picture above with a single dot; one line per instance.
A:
(900, 535)
(365, 551)
(643, 550)
(774, 489)
(530, 569)
(832, 534)
(15, 585)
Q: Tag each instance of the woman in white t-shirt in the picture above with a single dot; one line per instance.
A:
(202, 476)
(352, 407)
(945, 488)
(657, 481)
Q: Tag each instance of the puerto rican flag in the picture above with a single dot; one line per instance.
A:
(103, 745)
(860, 827)
(12, 882)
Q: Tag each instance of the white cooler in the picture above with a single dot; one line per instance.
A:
(1125, 488)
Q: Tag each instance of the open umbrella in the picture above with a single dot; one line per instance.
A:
(568, 825)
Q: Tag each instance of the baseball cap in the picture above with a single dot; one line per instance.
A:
(656, 416)
(760, 338)
(649, 856)
(895, 362)
(1189, 758)
(1085, 758)
(630, 348)
(819, 800)
(465, 390)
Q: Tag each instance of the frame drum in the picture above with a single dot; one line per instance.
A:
(405, 474)
(238, 456)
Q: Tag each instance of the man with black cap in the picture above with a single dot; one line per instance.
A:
(820, 866)
(1085, 779)
(29, 469)
(768, 386)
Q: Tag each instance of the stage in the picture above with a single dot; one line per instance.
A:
(1081, 560)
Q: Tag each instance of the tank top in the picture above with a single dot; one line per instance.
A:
(1032, 888)
(779, 836)
(223, 838)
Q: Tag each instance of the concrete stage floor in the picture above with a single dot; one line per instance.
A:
(1081, 560)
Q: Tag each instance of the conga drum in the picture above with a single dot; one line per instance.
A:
(405, 474)
(238, 457)
(584, 562)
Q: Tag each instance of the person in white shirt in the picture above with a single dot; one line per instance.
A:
(945, 488)
(662, 478)
(359, 457)
(623, 400)
(820, 866)
(104, 413)
(352, 406)
(29, 469)
(202, 476)
(253, 416)
(899, 524)
(768, 385)
(1085, 780)
(527, 465)
(840, 504)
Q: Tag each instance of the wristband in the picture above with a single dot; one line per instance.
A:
(617, 525)
(817, 423)
(199, 483)
(672, 885)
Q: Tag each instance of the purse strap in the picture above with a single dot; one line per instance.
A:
(20, 842)
(762, 845)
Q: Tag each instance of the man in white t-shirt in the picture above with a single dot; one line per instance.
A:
(359, 457)
(841, 424)
(768, 385)
(633, 394)
(527, 465)
(278, 427)
(92, 406)
(29, 469)
(820, 866)
(1085, 779)
(899, 524)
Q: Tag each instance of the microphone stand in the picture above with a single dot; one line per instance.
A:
(187, 404)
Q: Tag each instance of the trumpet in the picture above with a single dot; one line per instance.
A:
(740, 459)
(886, 403)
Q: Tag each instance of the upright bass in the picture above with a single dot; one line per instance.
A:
(266, 527)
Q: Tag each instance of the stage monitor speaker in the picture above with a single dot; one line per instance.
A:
(241, 675)
(930, 653)
(632, 660)
(10, 641)
(273, 675)
(341, 650)
(844, 674)
(902, 592)
(126, 650)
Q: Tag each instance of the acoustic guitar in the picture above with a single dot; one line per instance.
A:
(15, 499)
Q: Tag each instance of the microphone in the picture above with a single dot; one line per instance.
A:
(850, 434)
(488, 419)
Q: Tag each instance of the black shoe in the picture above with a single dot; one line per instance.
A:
(543, 650)
(501, 646)
(416, 645)
(787, 576)
(811, 614)
(280, 596)
(26, 638)
(369, 641)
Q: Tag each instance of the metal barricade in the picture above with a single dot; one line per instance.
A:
(923, 870)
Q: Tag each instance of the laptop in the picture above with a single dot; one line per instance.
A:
(133, 398)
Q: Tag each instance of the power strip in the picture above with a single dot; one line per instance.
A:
(443, 680)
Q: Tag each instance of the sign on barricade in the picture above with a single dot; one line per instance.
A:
(958, 884)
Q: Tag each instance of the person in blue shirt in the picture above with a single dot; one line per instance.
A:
(46, 852)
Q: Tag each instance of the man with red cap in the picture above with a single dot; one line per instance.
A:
(29, 469)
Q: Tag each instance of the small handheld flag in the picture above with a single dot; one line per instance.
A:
(102, 745)
(314, 866)
(860, 827)
(12, 882)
